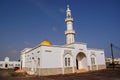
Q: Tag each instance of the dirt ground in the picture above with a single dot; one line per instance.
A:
(94, 75)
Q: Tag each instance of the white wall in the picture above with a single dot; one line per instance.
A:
(10, 64)
(99, 54)
(100, 57)
(51, 57)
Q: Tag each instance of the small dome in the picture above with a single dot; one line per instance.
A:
(46, 42)
(6, 59)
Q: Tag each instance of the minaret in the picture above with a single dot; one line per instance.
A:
(69, 22)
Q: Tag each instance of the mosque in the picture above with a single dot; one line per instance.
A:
(48, 59)
(7, 64)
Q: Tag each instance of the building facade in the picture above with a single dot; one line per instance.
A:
(7, 64)
(48, 59)
(109, 60)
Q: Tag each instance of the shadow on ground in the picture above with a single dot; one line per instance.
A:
(107, 74)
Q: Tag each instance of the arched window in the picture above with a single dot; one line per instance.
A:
(67, 60)
(38, 61)
(93, 60)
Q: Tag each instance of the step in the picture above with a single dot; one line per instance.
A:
(82, 70)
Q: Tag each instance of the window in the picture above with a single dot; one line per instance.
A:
(68, 16)
(93, 61)
(67, 62)
(1, 65)
(10, 64)
(18, 64)
(32, 57)
(38, 61)
(38, 51)
(102, 53)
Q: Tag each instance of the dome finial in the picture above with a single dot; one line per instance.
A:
(67, 6)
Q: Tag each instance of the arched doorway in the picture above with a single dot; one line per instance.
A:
(6, 65)
(81, 61)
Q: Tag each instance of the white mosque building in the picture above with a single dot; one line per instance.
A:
(48, 59)
(7, 64)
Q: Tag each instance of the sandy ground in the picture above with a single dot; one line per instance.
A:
(94, 75)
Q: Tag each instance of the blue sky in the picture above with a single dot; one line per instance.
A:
(25, 23)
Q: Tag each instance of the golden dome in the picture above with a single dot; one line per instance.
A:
(46, 42)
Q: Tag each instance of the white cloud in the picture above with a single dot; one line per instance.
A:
(14, 51)
(62, 10)
(54, 28)
(26, 43)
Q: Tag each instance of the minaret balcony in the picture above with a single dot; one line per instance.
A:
(68, 19)
(69, 32)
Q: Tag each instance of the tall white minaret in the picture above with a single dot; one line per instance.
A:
(70, 33)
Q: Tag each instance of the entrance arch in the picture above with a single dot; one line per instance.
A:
(81, 61)
(6, 65)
